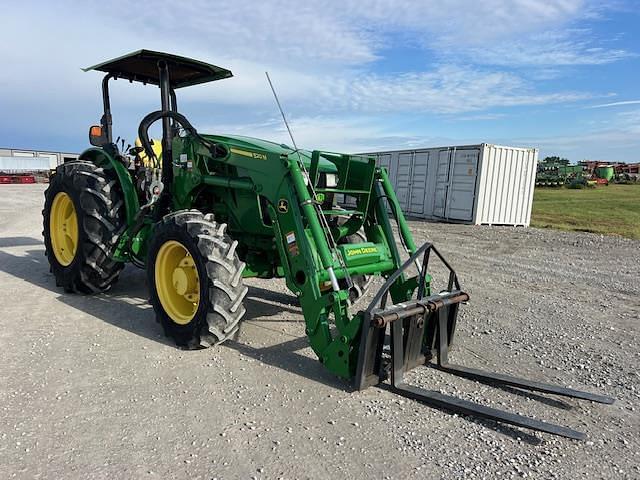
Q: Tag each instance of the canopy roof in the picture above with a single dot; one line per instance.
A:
(142, 66)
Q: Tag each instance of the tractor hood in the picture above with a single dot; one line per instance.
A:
(257, 145)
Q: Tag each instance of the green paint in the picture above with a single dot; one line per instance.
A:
(607, 172)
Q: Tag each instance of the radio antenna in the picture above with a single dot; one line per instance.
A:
(323, 220)
(275, 95)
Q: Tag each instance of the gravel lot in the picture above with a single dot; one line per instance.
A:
(92, 389)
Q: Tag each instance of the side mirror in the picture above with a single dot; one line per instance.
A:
(97, 136)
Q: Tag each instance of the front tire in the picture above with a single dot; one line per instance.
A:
(195, 280)
(83, 219)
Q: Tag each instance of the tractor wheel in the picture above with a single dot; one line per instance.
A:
(195, 280)
(83, 219)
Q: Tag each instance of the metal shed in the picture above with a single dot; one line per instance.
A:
(27, 158)
(478, 184)
(19, 164)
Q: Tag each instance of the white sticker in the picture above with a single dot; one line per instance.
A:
(183, 158)
(291, 237)
(189, 164)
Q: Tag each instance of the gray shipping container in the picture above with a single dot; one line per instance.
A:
(477, 184)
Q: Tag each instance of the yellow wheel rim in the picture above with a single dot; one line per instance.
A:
(63, 228)
(177, 282)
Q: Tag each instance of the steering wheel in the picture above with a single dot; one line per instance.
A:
(143, 132)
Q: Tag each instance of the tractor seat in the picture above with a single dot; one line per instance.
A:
(156, 145)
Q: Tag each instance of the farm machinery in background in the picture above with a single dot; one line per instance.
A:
(557, 172)
(200, 213)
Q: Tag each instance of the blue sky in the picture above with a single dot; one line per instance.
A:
(558, 75)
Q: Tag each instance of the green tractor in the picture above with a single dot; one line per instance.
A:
(203, 212)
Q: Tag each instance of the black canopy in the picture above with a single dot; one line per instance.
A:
(142, 66)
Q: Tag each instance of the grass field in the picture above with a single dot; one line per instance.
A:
(612, 210)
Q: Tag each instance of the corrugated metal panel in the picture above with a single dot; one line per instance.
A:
(55, 158)
(52, 157)
(442, 182)
(419, 175)
(403, 179)
(461, 194)
(505, 187)
(384, 160)
(23, 164)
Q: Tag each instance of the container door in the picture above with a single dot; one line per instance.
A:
(442, 183)
(462, 189)
(384, 160)
(418, 183)
(53, 159)
(403, 180)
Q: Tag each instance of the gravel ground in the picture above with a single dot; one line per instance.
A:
(92, 389)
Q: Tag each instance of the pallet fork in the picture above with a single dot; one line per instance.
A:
(422, 329)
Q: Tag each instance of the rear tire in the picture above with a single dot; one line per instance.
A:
(95, 203)
(220, 291)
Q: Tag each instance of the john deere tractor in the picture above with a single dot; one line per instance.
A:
(203, 212)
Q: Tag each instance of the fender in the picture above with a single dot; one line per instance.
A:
(103, 159)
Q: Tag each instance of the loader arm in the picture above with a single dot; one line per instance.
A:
(316, 266)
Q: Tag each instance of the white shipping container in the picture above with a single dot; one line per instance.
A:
(478, 184)
(53, 158)
(18, 164)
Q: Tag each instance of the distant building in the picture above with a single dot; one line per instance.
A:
(18, 159)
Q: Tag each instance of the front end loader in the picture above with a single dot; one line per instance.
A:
(200, 213)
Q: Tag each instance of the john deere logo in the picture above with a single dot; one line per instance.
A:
(283, 206)
(361, 251)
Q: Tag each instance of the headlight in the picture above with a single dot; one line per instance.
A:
(331, 180)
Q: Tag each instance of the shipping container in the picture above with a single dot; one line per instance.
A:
(18, 163)
(53, 158)
(478, 184)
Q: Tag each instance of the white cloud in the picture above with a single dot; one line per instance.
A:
(445, 89)
(616, 139)
(351, 134)
(278, 31)
(469, 23)
(566, 48)
(616, 104)
(329, 34)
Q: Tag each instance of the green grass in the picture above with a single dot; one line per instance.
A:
(610, 210)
